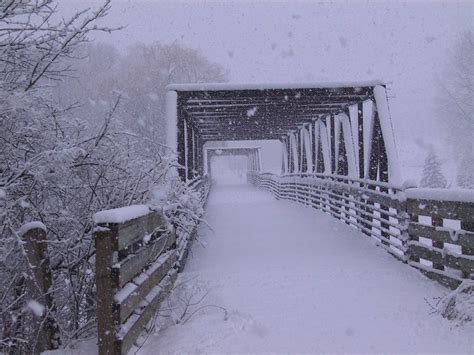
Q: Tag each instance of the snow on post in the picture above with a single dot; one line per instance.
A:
(30, 226)
(121, 215)
(381, 102)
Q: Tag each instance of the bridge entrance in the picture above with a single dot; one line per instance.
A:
(252, 154)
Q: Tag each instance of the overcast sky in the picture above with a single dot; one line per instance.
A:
(404, 43)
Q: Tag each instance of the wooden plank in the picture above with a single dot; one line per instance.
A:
(442, 279)
(139, 321)
(128, 305)
(362, 194)
(425, 253)
(421, 230)
(440, 276)
(442, 209)
(133, 264)
(133, 231)
(459, 262)
(467, 248)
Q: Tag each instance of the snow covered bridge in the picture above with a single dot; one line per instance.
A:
(338, 155)
(277, 276)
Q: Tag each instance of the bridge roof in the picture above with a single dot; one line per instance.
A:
(263, 111)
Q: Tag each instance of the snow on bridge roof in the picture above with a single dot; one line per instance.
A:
(270, 86)
(233, 148)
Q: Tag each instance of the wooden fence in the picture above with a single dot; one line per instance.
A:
(441, 246)
(441, 234)
(373, 208)
(137, 261)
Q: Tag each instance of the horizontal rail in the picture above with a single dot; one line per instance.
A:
(436, 247)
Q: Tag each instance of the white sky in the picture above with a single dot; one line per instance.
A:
(404, 43)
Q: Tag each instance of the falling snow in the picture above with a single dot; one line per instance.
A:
(251, 112)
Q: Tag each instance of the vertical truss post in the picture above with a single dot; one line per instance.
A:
(298, 149)
(290, 154)
(360, 131)
(307, 150)
(284, 158)
(189, 151)
(194, 160)
(333, 143)
(312, 128)
(180, 147)
(259, 160)
(199, 155)
(294, 151)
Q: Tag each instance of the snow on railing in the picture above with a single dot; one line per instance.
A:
(442, 246)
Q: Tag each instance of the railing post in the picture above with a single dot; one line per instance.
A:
(39, 286)
(107, 318)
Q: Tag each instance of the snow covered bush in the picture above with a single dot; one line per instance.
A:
(432, 176)
(59, 164)
(179, 203)
(459, 304)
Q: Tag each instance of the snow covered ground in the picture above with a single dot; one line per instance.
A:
(275, 276)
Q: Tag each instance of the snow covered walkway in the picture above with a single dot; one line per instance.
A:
(294, 280)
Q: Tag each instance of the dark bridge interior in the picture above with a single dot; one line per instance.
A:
(222, 112)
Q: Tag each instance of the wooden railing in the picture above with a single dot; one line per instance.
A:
(443, 247)
(441, 234)
(137, 260)
(374, 208)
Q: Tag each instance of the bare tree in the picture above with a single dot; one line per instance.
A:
(457, 104)
(45, 164)
(73, 143)
(146, 70)
(140, 76)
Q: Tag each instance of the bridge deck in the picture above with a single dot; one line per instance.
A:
(293, 279)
